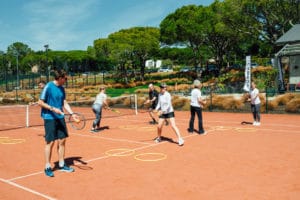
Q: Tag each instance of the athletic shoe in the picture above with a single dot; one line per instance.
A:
(66, 168)
(257, 124)
(254, 123)
(158, 140)
(202, 132)
(94, 131)
(49, 172)
(180, 142)
(190, 131)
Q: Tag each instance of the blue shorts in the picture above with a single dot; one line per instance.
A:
(55, 129)
(167, 115)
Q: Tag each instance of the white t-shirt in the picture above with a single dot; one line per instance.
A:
(100, 98)
(195, 96)
(254, 96)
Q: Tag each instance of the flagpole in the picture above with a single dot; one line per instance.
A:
(247, 84)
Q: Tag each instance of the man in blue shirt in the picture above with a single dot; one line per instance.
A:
(53, 101)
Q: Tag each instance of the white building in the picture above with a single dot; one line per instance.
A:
(153, 64)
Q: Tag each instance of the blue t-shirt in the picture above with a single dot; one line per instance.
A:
(54, 96)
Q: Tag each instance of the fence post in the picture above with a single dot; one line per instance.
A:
(210, 92)
(17, 98)
(266, 99)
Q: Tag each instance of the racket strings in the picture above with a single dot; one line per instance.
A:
(77, 121)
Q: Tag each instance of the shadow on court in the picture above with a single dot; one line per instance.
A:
(246, 123)
(167, 139)
(75, 161)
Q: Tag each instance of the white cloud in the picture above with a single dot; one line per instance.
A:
(54, 22)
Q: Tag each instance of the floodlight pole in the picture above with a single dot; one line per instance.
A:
(15, 51)
(47, 67)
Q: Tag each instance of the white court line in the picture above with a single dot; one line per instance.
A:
(20, 177)
(27, 189)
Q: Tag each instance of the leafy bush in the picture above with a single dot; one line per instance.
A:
(293, 106)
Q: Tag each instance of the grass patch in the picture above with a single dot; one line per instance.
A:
(115, 92)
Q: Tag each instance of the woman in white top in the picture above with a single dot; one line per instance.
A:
(255, 104)
(99, 103)
(196, 107)
(166, 111)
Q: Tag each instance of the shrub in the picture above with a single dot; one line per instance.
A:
(284, 99)
(179, 102)
(272, 105)
(293, 106)
(140, 101)
(226, 102)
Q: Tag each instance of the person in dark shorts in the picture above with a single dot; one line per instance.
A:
(166, 111)
(42, 84)
(53, 101)
(153, 99)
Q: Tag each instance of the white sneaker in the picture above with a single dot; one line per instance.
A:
(157, 140)
(180, 141)
(257, 124)
(254, 123)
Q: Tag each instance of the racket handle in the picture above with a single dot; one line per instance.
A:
(77, 120)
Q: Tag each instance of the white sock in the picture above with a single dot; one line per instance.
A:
(61, 163)
(48, 165)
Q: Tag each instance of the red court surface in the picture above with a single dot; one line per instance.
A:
(232, 161)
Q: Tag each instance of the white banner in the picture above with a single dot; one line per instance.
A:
(247, 85)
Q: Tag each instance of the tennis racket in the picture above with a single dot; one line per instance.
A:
(77, 120)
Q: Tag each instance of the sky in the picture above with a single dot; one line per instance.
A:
(75, 24)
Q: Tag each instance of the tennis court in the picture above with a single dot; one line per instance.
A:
(234, 160)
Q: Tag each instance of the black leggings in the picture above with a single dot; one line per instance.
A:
(198, 111)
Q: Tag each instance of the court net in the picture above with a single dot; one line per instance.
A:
(20, 116)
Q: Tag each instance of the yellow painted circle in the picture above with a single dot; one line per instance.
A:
(148, 128)
(120, 152)
(245, 129)
(6, 140)
(222, 128)
(134, 127)
(128, 127)
(150, 157)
